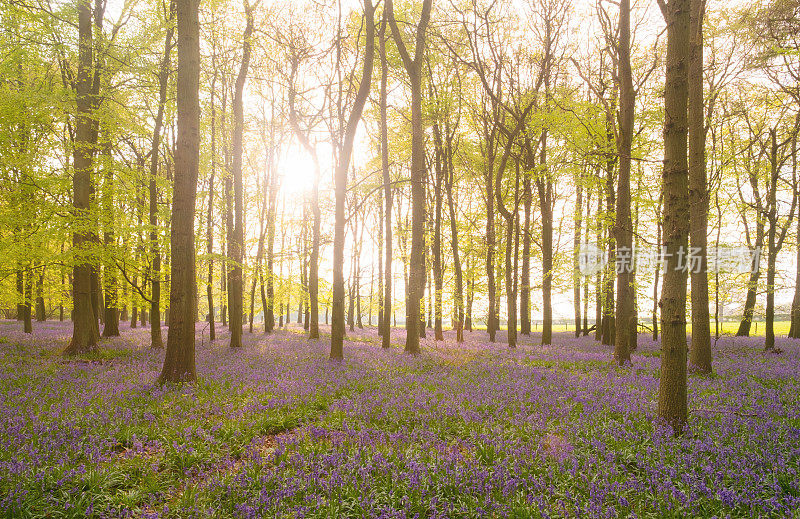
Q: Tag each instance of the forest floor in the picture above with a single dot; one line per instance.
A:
(275, 429)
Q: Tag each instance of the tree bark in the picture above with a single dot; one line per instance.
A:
(794, 326)
(41, 312)
(545, 188)
(269, 311)
(752, 282)
(700, 352)
(212, 331)
(155, 253)
(111, 320)
(179, 363)
(438, 270)
(459, 281)
(491, 318)
(622, 223)
(672, 404)
(417, 265)
(27, 325)
(576, 245)
(84, 332)
(236, 299)
(387, 193)
(340, 185)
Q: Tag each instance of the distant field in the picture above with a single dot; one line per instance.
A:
(728, 327)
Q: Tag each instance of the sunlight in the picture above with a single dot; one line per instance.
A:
(297, 173)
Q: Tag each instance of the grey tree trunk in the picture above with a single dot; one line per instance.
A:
(84, 332)
(236, 241)
(622, 223)
(413, 67)
(179, 363)
(700, 352)
(672, 404)
(340, 186)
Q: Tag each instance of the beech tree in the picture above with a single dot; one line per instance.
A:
(179, 364)
(413, 67)
(672, 399)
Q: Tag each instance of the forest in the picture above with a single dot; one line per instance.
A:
(399, 258)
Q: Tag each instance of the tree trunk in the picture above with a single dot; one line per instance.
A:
(752, 283)
(111, 320)
(417, 265)
(545, 188)
(794, 326)
(155, 266)
(576, 245)
(438, 270)
(27, 326)
(236, 299)
(700, 352)
(459, 281)
(491, 318)
(179, 363)
(20, 293)
(609, 329)
(41, 312)
(598, 279)
(313, 277)
(387, 193)
(769, 311)
(340, 186)
(658, 267)
(622, 223)
(470, 298)
(269, 310)
(672, 405)
(212, 332)
(84, 332)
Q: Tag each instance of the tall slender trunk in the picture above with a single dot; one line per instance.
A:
(387, 193)
(84, 332)
(752, 282)
(269, 310)
(586, 278)
(413, 67)
(212, 332)
(672, 405)
(438, 270)
(20, 292)
(777, 231)
(179, 364)
(622, 223)
(236, 299)
(258, 276)
(111, 320)
(491, 318)
(27, 325)
(576, 245)
(525, 275)
(609, 329)
(155, 253)
(459, 281)
(41, 311)
(470, 299)
(598, 279)
(658, 267)
(794, 326)
(700, 352)
(313, 278)
(340, 186)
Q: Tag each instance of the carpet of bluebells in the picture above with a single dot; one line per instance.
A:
(472, 430)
